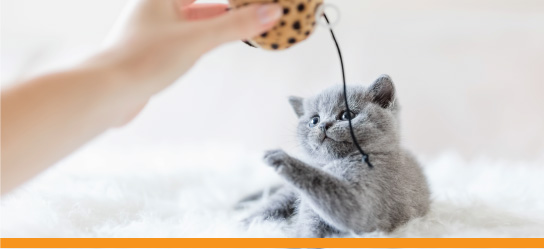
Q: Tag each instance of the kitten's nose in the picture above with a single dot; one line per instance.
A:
(325, 126)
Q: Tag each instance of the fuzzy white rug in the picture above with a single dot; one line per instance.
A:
(173, 191)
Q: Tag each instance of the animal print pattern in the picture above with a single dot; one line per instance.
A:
(296, 24)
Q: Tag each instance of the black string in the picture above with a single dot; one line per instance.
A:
(365, 156)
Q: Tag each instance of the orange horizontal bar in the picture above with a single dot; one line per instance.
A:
(271, 243)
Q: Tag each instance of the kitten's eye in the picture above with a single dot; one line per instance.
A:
(314, 121)
(344, 116)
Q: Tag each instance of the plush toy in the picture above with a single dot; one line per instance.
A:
(296, 24)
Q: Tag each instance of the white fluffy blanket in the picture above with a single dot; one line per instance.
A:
(173, 191)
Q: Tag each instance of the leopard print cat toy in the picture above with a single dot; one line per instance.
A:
(296, 24)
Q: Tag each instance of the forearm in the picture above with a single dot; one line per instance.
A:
(49, 117)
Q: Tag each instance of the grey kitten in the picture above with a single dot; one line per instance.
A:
(338, 193)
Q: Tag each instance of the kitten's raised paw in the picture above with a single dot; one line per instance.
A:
(276, 158)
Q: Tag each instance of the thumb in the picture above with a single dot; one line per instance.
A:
(242, 23)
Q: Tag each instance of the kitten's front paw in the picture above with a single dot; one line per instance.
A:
(276, 158)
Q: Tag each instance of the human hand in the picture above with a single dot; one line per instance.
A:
(156, 41)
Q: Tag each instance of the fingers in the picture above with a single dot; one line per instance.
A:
(183, 3)
(203, 11)
(242, 23)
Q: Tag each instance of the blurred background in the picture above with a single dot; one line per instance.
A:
(469, 74)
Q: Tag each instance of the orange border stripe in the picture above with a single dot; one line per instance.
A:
(271, 243)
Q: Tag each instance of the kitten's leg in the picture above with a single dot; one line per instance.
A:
(310, 225)
(257, 196)
(338, 203)
(281, 205)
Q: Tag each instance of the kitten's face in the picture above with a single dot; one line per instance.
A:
(323, 128)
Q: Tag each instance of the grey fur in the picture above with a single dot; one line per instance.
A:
(296, 103)
(338, 193)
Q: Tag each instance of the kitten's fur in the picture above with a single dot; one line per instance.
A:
(338, 193)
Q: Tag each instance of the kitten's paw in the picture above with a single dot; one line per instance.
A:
(276, 158)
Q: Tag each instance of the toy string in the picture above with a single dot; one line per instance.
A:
(365, 156)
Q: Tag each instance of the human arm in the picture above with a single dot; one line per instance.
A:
(46, 118)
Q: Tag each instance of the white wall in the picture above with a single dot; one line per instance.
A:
(469, 74)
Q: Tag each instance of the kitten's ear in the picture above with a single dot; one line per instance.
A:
(382, 91)
(297, 104)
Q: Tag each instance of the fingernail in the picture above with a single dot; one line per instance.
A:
(269, 13)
